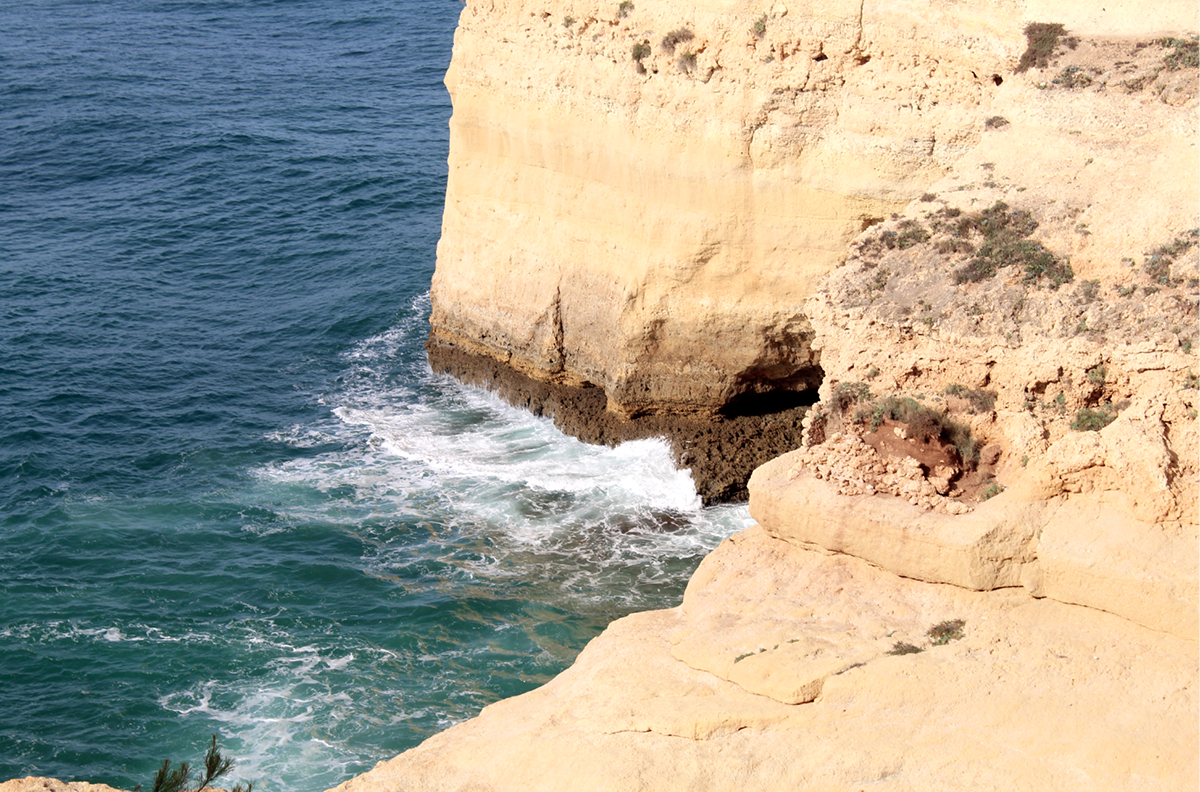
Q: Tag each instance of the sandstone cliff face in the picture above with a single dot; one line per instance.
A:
(653, 226)
(980, 572)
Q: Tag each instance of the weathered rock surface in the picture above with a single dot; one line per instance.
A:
(1036, 694)
(38, 784)
(671, 229)
(652, 227)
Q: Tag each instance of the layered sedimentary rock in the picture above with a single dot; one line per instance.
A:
(642, 195)
(980, 571)
(651, 226)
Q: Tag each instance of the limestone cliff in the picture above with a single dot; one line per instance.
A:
(642, 196)
(980, 569)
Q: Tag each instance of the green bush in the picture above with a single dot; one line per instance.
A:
(904, 648)
(1005, 244)
(760, 26)
(1073, 77)
(981, 401)
(1184, 54)
(943, 633)
(846, 394)
(180, 778)
(1041, 39)
(1089, 420)
(624, 8)
(675, 38)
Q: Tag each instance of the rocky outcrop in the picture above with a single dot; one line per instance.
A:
(980, 570)
(650, 221)
(789, 668)
(642, 196)
(38, 784)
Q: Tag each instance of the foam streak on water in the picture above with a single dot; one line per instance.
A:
(233, 497)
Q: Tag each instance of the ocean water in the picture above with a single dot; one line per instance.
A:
(233, 498)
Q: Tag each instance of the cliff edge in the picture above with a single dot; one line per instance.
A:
(972, 229)
(642, 196)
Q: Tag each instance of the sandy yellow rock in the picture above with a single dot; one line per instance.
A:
(1035, 695)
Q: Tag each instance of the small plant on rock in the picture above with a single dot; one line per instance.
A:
(641, 51)
(993, 489)
(760, 26)
(1184, 53)
(624, 8)
(675, 38)
(1073, 77)
(1089, 420)
(1041, 41)
(847, 394)
(904, 648)
(980, 401)
(943, 633)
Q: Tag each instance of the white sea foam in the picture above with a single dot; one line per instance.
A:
(460, 499)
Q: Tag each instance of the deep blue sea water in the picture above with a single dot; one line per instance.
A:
(233, 498)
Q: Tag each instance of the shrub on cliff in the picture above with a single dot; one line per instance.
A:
(1005, 244)
(1089, 420)
(980, 401)
(1041, 40)
(180, 778)
(1184, 53)
(675, 38)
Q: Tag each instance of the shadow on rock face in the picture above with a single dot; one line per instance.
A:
(721, 450)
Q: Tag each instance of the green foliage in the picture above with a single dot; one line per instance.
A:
(1158, 264)
(981, 401)
(943, 633)
(675, 38)
(1041, 40)
(1097, 375)
(760, 26)
(911, 233)
(904, 648)
(1005, 244)
(1184, 54)
(1073, 77)
(568, 21)
(179, 779)
(1089, 420)
(640, 50)
(846, 394)
(995, 122)
(1089, 290)
(993, 489)
(687, 61)
(624, 8)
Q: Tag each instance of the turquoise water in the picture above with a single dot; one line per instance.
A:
(233, 498)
